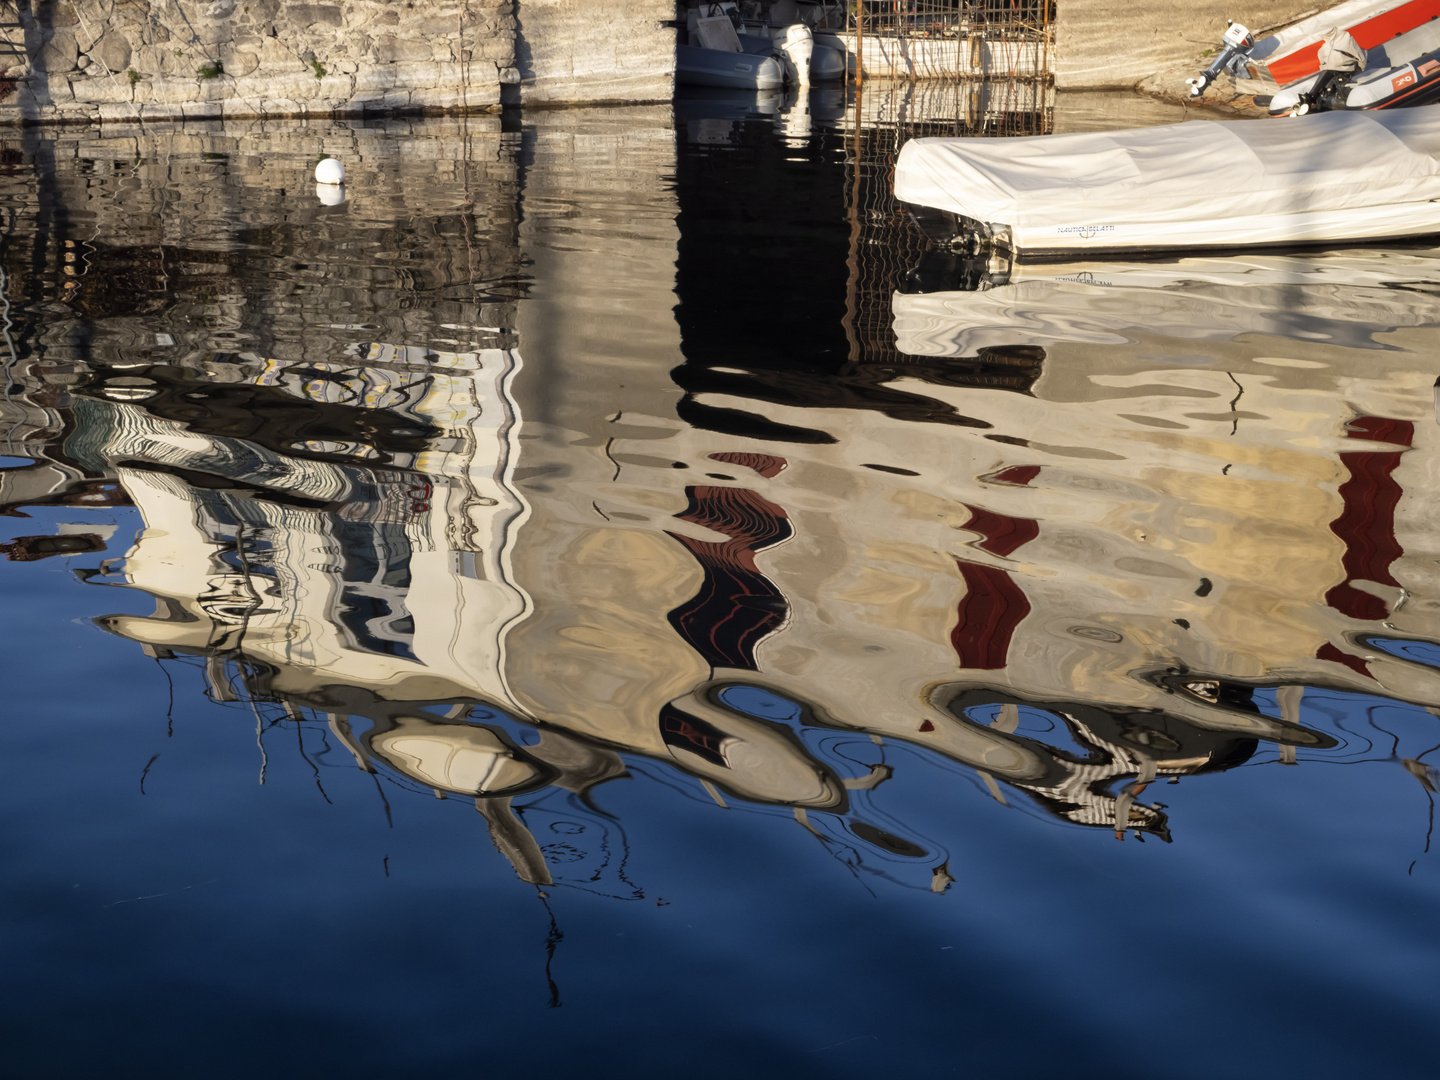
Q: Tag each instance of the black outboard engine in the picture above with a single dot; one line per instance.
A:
(1234, 52)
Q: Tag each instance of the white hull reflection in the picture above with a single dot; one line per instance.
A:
(1342, 297)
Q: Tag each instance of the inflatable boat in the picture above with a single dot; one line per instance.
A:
(1293, 53)
(749, 69)
(1319, 179)
(1388, 56)
(1403, 72)
(718, 53)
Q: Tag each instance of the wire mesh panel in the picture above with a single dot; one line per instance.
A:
(952, 39)
(884, 244)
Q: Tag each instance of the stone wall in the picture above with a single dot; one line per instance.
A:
(584, 51)
(86, 60)
(114, 59)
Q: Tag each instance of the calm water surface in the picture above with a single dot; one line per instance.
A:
(555, 614)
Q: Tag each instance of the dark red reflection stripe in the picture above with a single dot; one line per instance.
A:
(1002, 534)
(989, 612)
(1334, 655)
(1366, 524)
(767, 465)
(737, 606)
(1020, 475)
(993, 604)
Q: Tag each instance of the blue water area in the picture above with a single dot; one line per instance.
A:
(578, 607)
(1422, 652)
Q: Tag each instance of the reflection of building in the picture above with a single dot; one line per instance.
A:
(363, 576)
(1262, 495)
(332, 524)
(1071, 567)
(352, 562)
(1161, 539)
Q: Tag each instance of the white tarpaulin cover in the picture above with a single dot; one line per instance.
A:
(1349, 298)
(1331, 176)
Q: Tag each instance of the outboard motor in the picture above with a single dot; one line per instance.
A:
(1340, 56)
(797, 45)
(1234, 52)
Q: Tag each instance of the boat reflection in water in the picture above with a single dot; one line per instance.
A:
(953, 305)
(724, 117)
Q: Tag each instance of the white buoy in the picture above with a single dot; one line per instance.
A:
(330, 194)
(330, 171)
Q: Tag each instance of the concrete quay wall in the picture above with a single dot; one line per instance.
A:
(110, 60)
(87, 60)
(584, 51)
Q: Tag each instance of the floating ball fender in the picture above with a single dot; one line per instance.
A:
(330, 171)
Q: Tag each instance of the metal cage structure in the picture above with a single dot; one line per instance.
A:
(951, 39)
(885, 245)
(926, 68)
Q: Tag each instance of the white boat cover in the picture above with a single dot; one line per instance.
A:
(1312, 179)
(1349, 298)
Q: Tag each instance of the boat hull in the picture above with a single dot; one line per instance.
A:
(1329, 178)
(1293, 53)
(732, 71)
(1403, 72)
(1392, 221)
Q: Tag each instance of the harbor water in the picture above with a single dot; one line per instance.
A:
(603, 600)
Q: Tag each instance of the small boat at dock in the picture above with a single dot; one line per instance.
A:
(1363, 54)
(744, 70)
(1320, 179)
(1401, 73)
(721, 50)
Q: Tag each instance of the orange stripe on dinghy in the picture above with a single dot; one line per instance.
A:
(1306, 62)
